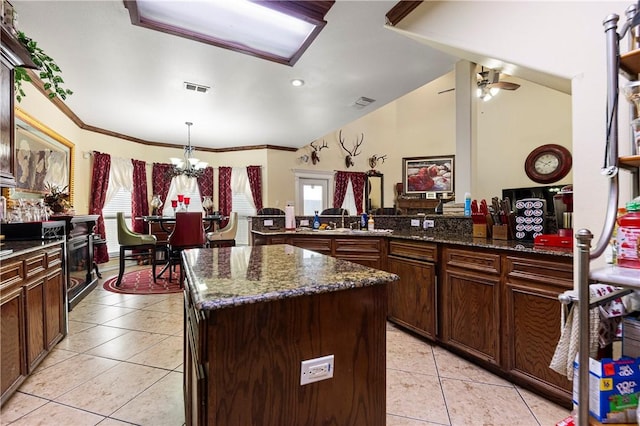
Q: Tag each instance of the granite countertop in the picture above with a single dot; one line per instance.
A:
(509, 245)
(234, 276)
(9, 249)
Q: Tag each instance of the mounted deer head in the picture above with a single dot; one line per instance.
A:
(315, 158)
(373, 160)
(348, 161)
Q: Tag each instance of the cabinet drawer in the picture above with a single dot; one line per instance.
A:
(474, 260)
(540, 270)
(322, 245)
(11, 272)
(35, 264)
(54, 257)
(358, 245)
(427, 252)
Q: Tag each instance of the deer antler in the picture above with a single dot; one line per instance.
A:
(373, 160)
(348, 159)
(314, 154)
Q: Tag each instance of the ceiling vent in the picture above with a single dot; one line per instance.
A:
(196, 87)
(363, 102)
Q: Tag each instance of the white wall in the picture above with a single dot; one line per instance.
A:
(541, 39)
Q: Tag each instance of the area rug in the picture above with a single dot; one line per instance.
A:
(141, 282)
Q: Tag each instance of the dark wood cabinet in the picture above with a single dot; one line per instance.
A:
(12, 55)
(532, 321)
(471, 303)
(32, 312)
(413, 299)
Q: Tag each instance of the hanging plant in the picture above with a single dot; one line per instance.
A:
(49, 71)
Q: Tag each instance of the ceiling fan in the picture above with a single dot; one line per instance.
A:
(489, 84)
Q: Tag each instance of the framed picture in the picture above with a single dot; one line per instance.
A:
(428, 175)
(42, 157)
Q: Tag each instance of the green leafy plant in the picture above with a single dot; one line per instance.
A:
(49, 71)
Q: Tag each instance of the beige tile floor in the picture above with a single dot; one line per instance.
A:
(121, 364)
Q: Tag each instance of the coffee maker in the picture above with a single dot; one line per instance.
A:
(563, 207)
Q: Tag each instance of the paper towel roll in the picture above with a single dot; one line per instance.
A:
(289, 217)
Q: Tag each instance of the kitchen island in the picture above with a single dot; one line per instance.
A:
(253, 314)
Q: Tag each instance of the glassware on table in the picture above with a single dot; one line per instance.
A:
(187, 200)
(156, 203)
(207, 205)
(174, 204)
(180, 198)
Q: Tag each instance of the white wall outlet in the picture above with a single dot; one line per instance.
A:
(268, 222)
(428, 223)
(314, 370)
(304, 222)
(415, 222)
(431, 196)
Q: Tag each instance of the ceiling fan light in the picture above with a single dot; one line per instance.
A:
(487, 97)
(494, 91)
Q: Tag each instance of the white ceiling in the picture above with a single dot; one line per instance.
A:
(129, 80)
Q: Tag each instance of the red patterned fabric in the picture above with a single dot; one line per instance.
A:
(340, 191)
(99, 185)
(357, 180)
(255, 183)
(225, 203)
(341, 184)
(139, 199)
(205, 183)
(161, 179)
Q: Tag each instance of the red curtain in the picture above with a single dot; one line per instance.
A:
(224, 192)
(139, 199)
(357, 181)
(99, 185)
(255, 183)
(205, 183)
(342, 182)
(161, 180)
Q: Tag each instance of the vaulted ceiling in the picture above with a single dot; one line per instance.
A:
(129, 80)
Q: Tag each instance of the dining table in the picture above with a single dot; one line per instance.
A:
(211, 222)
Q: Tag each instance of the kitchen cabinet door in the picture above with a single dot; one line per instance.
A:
(471, 304)
(12, 343)
(412, 299)
(532, 322)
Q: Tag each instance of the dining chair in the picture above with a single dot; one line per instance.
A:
(226, 236)
(133, 241)
(270, 211)
(188, 232)
(335, 211)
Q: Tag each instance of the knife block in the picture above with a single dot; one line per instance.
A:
(500, 232)
(480, 230)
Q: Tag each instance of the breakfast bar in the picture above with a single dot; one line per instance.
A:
(254, 314)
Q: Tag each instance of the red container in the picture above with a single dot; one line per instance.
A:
(628, 236)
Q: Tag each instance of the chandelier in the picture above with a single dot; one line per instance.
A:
(189, 166)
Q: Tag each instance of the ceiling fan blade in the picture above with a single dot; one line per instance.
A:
(445, 91)
(506, 85)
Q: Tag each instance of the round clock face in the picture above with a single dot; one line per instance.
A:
(548, 163)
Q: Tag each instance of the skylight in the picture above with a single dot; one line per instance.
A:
(277, 31)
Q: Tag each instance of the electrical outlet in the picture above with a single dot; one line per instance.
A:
(304, 222)
(428, 223)
(415, 222)
(314, 370)
(268, 222)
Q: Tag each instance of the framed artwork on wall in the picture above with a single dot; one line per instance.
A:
(428, 175)
(43, 157)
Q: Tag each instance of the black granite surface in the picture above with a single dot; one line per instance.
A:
(233, 276)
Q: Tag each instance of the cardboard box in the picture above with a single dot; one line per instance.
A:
(614, 386)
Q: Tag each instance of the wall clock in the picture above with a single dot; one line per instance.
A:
(548, 163)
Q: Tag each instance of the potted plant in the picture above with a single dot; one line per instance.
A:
(56, 198)
(49, 71)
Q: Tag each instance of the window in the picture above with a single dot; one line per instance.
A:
(242, 203)
(187, 186)
(121, 202)
(314, 191)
